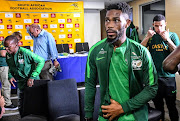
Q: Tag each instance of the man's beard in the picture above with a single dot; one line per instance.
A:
(118, 33)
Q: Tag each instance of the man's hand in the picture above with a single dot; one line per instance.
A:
(113, 110)
(56, 64)
(150, 33)
(165, 35)
(30, 82)
(12, 80)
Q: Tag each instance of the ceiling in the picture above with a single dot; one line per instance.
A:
(107, 1)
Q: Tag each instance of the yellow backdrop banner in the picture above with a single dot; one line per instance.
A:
(64, 20)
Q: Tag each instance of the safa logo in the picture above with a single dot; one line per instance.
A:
(75, 5)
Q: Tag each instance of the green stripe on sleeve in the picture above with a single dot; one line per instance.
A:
(151, 75)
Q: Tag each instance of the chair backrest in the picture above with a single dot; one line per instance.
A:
(35, 99)
(63, 98)
(154, 114)
(27, 47)
(62, 48)
(82, 47)
(96, 104)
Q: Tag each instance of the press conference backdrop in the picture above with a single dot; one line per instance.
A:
(64, 20)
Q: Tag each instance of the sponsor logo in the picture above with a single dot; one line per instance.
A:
(77, 25)
(100, 58)
(159, 47)
(1, 21)
(53, 15)
(75, 5)
(1, 38)
(36, 20)
(69, 20)
(9, 26)
(61, 25)
(45, 26)
(18, 15)
(20, 43)
(102, 51)
(174, 91)
(70, 45)
(27, 25)
(69, 35)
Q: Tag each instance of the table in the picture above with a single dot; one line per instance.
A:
(73, 66)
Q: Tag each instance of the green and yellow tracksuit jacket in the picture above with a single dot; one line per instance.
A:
(142, 78)
(24, 65)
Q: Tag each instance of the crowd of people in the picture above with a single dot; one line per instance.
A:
(129, 74)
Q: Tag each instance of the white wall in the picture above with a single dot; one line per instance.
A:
(92, 22)
(92, 26)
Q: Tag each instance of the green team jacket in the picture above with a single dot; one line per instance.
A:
(142, 78)
(24, 65)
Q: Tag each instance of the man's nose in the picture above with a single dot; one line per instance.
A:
(111, 24)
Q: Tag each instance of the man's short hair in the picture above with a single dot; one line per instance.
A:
(123, 6)
(159, 17)
(35, 26)
(11, 38)
(17, 34)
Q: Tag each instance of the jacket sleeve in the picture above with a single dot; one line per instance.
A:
(174, 37)
(34, 58)
(150, 85)
(90, 86)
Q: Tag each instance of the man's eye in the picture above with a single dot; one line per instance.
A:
(107, 20)
(116, 20)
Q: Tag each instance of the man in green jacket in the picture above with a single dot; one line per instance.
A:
(124, 69)
(24, 66)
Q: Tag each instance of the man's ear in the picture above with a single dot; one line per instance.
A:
(165, 23)
(128, 22)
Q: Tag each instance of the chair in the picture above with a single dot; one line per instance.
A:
(62, 48)
(96, 104)
(153, 114)
(82, 47)
(27, 47)
(35, 102)
(63, 101)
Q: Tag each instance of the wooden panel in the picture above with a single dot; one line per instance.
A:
(172, 15)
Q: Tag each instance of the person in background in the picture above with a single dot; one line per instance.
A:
(161, 43)
(44, 46)
(171, 62)
(132, 32)
(24, 66)
(6, 86)
(125, 70)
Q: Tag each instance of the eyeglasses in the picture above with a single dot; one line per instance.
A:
(31, 33)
